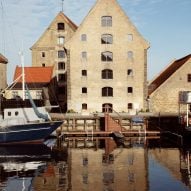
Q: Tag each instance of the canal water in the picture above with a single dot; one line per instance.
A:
(97, 164)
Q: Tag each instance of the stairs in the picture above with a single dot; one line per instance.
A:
(111, 125)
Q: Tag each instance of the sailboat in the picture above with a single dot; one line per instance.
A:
(24, 124)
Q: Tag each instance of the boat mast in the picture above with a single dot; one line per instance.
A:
(23, 75)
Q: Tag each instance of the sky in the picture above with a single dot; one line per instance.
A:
(165, 24)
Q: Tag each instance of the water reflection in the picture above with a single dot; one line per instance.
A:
(98, 164)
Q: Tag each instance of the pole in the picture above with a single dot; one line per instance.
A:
(23, 75)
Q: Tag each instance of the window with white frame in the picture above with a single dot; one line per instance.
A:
(61, 40)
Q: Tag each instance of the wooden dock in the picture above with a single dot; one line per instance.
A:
(129, 133)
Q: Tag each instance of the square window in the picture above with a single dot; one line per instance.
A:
(84, 106)
(84, 90)
(60, 26)
(84, 72)
(189, 77)
(129, 106)
(106, 21)
(61, 54)
(129, 72)
(84, 55)
(130, 90)
(130, 37)
(83, 37)
(61, 40)
(43, 54)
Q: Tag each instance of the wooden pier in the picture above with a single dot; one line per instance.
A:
(102, 126)
(129, 133)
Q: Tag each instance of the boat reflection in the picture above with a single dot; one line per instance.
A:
(22, 165)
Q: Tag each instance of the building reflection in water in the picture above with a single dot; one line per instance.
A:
(97, 164)
(101, 165)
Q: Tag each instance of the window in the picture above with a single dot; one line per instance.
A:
(107, 74)
(61, 54)
(106, 21)
(83, 37)
(84, 55)
(84, 72)
(84, 106)
(43, 65)
(129, 106)
(38, 95)
(107, 107)
(189, 77)
(107, 56)
(106, 39)
(61, 65)
(107, 91)
(61, 40)
(130, 37)
(16, 113)
(62, 77)
(14, 94)
(129, 72)
(130, 55)
(61, 26)
(129, 90)
(84, 90)
(43, 54)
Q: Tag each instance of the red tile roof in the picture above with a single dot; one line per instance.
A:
(35, 74)
(159, 80)
(3, 59)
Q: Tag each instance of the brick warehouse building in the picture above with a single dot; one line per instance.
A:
(104, 60)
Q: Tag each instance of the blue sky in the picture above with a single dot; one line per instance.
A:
(165, 24)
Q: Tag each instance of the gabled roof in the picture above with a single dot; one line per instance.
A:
(100, 5)
(3, 59)
(160, 79)
(34, 74)
(64, 18)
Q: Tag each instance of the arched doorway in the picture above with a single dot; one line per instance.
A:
(107, 107)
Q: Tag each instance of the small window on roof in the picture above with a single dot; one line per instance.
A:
(61, 26)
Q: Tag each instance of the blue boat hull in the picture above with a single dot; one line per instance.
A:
(28, 133)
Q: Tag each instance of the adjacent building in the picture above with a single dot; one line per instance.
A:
(166, 89)
(107, 65)
(49, 50)
(38, 81)
(3, 72)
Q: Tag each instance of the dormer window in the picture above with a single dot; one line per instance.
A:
(61, 26)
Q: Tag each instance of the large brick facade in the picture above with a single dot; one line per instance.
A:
(108, 62)
(50, 50)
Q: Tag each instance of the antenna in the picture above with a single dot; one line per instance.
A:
(62, 5)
